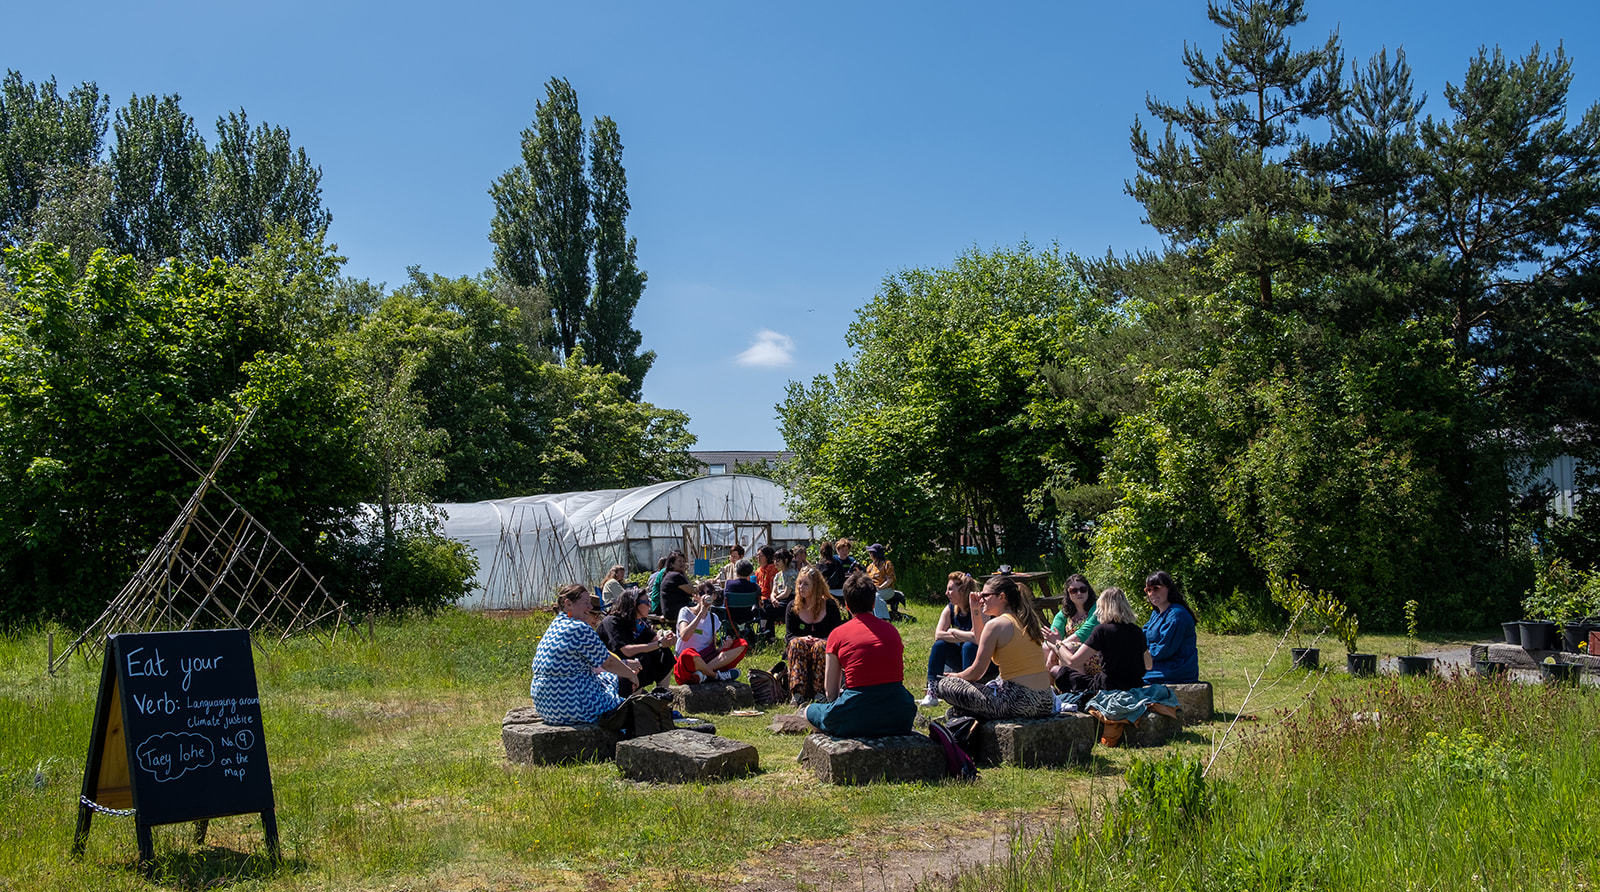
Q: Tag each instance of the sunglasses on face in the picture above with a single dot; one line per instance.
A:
(1077, 590)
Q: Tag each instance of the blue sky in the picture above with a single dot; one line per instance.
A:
(782, 158)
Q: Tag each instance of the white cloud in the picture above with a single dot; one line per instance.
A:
(770, 350)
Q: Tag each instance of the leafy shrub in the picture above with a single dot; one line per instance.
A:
(1467, 757)
(1561, 593)
(418, 573)
(1166, 796)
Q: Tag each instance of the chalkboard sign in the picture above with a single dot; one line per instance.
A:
(177, 733)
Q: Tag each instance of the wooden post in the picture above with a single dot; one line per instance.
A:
(50, 655)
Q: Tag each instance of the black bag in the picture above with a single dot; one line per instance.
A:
(958, 762)
(641, 715)
(765, 689)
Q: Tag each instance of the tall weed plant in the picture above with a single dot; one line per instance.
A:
(1452, 783)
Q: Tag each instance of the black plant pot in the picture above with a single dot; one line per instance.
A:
(1305, 657)
(1573, 634)
(1560, 673)
(1489, 668)
(1537, 634)
(1513, 632)
(1361, 665)
(1416, 665)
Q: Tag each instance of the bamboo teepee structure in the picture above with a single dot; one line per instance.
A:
(215, 567)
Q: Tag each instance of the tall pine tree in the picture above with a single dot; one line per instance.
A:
(1237, 178)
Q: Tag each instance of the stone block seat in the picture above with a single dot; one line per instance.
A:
(1154, 728)
(685, 756)
(851, 761)
(1061, 739)
(528, 740)
(717, 697)
(1195, 704)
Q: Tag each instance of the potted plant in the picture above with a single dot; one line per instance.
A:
(1411, 664)
(1298, 600)
(1550, 601)
(1559, 673)
(1347, 628)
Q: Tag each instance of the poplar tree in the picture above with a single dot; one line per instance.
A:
(560, 227)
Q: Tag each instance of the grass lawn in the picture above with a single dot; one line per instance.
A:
(389, 773)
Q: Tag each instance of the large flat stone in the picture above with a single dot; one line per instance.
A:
(530, 741)
(848, 761)
(690, 723)
(712, 697)
(1194, 702)
(1062, 739)
(684, 756)
(1152, 729)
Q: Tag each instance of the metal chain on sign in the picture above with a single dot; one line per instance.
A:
(114, 812)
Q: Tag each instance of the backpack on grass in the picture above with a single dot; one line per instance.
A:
(767, 689)
(641, 715)
(958, 762)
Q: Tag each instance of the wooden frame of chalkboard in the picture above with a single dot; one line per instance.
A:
(177, 735)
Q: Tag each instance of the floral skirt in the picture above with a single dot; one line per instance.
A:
(808, 664)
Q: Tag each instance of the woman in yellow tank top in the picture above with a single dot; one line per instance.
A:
(1012, 640)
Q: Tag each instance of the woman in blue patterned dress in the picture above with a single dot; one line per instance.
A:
(574, 676)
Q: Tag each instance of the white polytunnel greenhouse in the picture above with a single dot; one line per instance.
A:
(528, 547)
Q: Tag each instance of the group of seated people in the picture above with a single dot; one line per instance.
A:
(993, 655)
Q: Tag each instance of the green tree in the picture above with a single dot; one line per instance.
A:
(158, 175)
(517, 422)
(609, 338)
(95, 369)
(554, 214)
(43, 135)
(1237, 179)
(255, 180)
(541, 226)
(939, 426)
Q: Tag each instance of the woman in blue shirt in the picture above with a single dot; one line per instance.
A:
(1169, 633)
(574, 676)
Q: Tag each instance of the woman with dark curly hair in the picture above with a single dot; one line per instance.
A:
(1174, 654)
(627, 632)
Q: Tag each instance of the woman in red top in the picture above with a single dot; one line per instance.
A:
(864, 681)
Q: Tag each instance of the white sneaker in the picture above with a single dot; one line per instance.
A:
(931, 700)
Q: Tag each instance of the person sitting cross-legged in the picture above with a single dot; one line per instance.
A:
(627, 632)
(864, 680)
(700, 658)
(1013, 639)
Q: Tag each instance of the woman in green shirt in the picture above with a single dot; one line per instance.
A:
(1070, 629)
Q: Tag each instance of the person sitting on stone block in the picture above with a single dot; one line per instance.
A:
(1013, 639)
(864, 679)
(626, 630)
(700, 658)
(574, 676)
